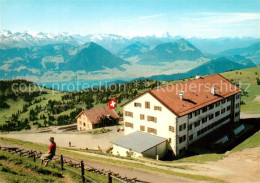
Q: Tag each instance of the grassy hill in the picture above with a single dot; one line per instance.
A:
(14, 168)
(26, 109)
(247, 78)
(22, 108)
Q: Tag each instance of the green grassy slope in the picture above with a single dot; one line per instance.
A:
(247, 78)
(14, 168)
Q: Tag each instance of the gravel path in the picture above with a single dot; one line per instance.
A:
(78, 140)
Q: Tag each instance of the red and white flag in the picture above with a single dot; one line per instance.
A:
(112, 103)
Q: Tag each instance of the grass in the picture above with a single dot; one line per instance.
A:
(247, 79)
(21, 169)
(253, 141)
(113, 161)
(203, 158)
(5, 114)
(99, 131)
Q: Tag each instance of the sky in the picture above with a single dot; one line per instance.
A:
(193, 18)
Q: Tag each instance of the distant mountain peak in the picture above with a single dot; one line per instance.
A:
(170, 52)
(133, 50)
(93, 57)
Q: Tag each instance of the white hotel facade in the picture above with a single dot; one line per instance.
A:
(183, 116)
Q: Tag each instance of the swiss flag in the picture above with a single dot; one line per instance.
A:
(112, 103)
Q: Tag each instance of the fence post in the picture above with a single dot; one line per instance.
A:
(34, 159)
(61, 162)
(82, 171)
(109, 178)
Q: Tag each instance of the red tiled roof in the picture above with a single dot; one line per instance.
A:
(196, 93)
(94, 115)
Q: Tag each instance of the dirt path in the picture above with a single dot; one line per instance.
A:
(77, 140)
(247, 115)
(237, 167)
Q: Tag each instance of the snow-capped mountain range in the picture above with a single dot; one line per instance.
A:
(62, 57)
(115, 43)
(112, 42)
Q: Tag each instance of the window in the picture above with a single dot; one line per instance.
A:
(204, 120)
(127, 124)
(142, 128)
(182, 139)
(198, 133)
(182, 127)
(223, 101)
(152, 130)
(190, 115)
(170, 140)
(217, 113)
(223, 110)
(137, 104)
(157, 108)
(141, 116)
(190, 127)
(84, 124)
(228, 99)
(211, 116)
(151, 118)
(237, 114)
(211, 106)
(197, 112)
(171, 128)
(197, 123)
(147, 105)
(191, 137)
(228, 108)
(217, 103)
(181, 151)
(204, 109)
(237, 105)
(238, 96)
(127, 113)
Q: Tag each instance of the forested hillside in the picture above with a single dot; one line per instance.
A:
(22, 108)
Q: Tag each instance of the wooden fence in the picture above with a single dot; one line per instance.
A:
(66, 163)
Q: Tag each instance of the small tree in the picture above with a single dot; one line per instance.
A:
(130, 153)
(258, 81)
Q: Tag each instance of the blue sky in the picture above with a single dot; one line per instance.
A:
(200, 18)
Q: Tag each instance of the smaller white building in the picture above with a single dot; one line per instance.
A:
(140, 144)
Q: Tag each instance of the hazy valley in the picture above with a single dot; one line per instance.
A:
(62, 57)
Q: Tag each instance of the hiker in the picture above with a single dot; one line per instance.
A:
(49, 155)
(69, 144)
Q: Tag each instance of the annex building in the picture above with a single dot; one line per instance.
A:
(180, 113)
(96, 118)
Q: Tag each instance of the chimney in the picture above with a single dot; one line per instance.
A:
(181, 95)
(213, 92)
(197, 76)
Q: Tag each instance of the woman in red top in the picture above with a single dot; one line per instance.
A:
(49, 155)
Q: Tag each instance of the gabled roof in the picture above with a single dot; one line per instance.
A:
(94, 115)
(139, 141)
(196, 93)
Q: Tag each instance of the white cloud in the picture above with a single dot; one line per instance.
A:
(228, 17)
(145, 17)
(150, 16)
